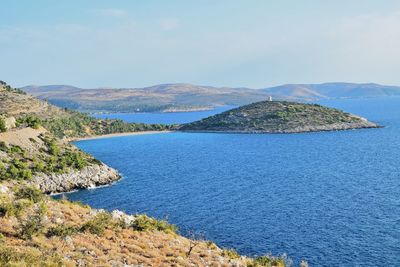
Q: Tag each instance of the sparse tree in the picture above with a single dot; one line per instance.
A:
(194, 240)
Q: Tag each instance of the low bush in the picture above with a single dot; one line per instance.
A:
(10, 256)
(3, 146)
(33, 224)
(29, 192)
(230, 253)
(6, 207)
(98, 224)
(61, 231)
(28, 121)
(270, 261)
(9, 207)
(3, 127)
(145, 223)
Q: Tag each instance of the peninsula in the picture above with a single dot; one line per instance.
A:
(279, 117)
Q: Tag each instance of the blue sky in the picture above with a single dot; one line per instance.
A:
(247, 43)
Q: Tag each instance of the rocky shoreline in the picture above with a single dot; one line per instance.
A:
(89, 177)
(300, 129)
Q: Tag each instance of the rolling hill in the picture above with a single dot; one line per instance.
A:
(186, 97)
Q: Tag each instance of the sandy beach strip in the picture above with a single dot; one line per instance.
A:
(115, 135)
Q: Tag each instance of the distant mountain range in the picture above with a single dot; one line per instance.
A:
(185, 97)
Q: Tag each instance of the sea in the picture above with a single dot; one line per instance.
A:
(331, 198)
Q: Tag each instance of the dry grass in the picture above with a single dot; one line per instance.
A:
(115, 246)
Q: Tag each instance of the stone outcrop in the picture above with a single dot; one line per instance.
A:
(88, 177)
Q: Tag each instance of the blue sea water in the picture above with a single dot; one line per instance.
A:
(332, 198)
(165, 118)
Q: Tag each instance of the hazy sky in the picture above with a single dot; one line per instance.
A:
(94, 43)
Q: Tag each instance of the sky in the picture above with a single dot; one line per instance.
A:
(235, 43)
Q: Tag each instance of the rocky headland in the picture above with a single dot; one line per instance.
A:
(88, 177)
(279, 117)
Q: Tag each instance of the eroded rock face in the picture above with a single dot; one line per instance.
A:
(89, 177)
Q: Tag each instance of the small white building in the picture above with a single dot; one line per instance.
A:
(270, 98)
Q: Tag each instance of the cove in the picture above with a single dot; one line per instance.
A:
(331, 198)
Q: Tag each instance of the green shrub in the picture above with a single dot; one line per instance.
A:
(3, 127)
(145, 223)
(14, 149)
(10, 256)
(6, 206)
(29, 121)
(230, 253)
(269, 261)
(53, 148)
(61, 231)
(3, 146)
(29, 192)
(98, 224)
(33, 224)
(9, 207)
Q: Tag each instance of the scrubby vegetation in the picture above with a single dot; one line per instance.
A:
(62, 231)
(53, 158)
(98, 224)
(11, 256)
(28, 121)
(8, 88)
(33, 224)
(3, 127)
(62, 122)
(78, 124)
(145, 223)
(270, 261)
(28, 192)
(47, 232)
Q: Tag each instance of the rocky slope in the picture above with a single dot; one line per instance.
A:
(30, 154)
(279, 117)
(29, 151)
(38, 231)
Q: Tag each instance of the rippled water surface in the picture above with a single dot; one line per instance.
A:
(332, 198)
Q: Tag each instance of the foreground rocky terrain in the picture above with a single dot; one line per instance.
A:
(36, 230)
(279, 117)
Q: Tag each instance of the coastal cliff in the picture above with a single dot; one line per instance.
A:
(279, 117)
